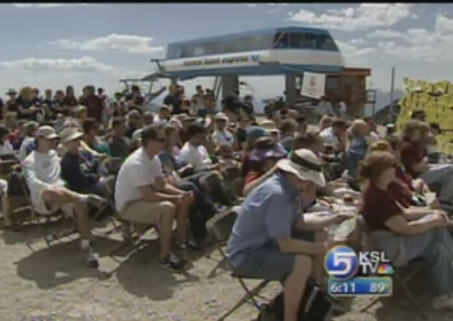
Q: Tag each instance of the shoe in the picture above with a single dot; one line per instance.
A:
(96, 201)
(443, 303)
(181, 246)
(172, 263)
(89, 258)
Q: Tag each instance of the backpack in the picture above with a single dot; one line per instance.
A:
(316, 305)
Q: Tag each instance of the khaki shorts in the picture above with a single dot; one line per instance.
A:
(144, 212)
(41, 207)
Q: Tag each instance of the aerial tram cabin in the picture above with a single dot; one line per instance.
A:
(288, 51)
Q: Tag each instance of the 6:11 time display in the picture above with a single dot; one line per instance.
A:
(375, 286)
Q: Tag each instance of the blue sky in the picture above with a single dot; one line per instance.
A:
(51, 45)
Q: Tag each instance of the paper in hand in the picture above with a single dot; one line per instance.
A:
(344, 229)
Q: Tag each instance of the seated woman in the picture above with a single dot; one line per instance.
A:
(402, 188)
(429, 143)
(356, 150)
(438, 177)
(262, 159)
(406, 234)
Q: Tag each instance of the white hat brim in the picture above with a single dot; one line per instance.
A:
(302, 173)
(72, 137)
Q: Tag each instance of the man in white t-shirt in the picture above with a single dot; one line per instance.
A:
(193, 152)
(143, 196)
(335, 135)
(48, 194)
(221, 137)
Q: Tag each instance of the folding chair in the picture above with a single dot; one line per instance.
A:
(220, 227)
(49, 237)
(6, 157)
(416, 266)
(7, 166)
(128, 229)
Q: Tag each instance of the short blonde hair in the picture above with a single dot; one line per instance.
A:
(356, 125)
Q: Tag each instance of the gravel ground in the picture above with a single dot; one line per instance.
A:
(39, 285)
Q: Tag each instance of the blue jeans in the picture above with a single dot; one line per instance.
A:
(439, 255)
(440, 179)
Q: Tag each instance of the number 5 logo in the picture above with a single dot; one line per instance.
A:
(341, 262)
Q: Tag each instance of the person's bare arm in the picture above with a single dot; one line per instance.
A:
(415, 213)
(288, 245)
(317, 221)
(400, 225)
(152, 195)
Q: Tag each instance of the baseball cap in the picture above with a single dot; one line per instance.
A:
(69, 134)
(46, 132)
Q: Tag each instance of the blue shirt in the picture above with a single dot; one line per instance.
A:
(355, 153)
(268, 213)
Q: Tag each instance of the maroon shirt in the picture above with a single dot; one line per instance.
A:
(378, 206)
(411, 154)
(70, 101)
(94, 107)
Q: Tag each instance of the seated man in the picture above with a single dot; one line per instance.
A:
(194, 153)
(221, 137)
(119, 144)
(91, 138)
(79, 169)
(262, 244)
(48, 194)
(336, 135)
(142, 195)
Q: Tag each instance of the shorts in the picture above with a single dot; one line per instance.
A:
(144, 212)
(43, 208)
(267, 262)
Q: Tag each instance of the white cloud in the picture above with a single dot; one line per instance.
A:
(415, 45)
(363, 17)
(47, 5)
(85, 63)
(444, 24)
(114, 42)
(355, 56)
(386, 34)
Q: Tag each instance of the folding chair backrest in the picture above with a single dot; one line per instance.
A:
(6, 157)
(221, 226)
(7, 166)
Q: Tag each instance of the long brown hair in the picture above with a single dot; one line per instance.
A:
(374, 164)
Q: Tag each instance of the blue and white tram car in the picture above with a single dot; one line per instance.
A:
(289, 50)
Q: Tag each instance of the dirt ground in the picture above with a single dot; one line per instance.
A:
(39, 285)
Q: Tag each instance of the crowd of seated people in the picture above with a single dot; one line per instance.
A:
(188, 162)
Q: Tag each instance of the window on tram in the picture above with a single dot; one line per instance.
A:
(312, 41)
(281, 40)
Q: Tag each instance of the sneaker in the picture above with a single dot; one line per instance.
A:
(96, 201)
(443, 303)
(89, 258)
(172, 263)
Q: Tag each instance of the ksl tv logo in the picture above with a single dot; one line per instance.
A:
(342, 262)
